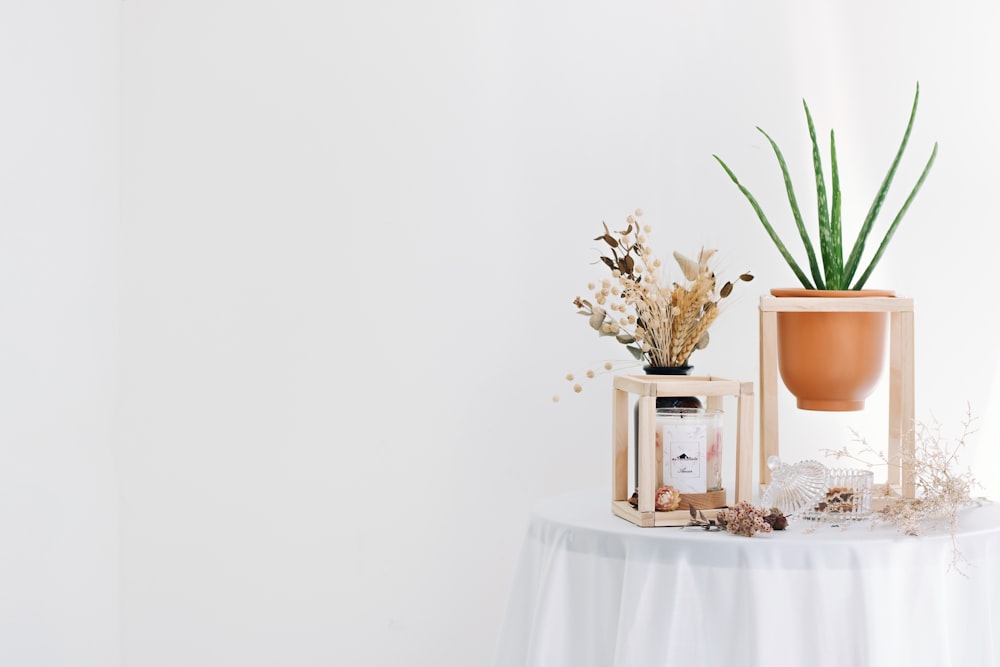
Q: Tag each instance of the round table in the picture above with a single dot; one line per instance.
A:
(592, 589)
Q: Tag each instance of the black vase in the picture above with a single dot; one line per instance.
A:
(672, 401)
(661, 402)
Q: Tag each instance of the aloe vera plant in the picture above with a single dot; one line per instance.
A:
(837, 273)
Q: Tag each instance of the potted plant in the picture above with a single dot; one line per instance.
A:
(661, 322)
(832, 361)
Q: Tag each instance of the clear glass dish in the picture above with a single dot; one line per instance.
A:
(847, 496)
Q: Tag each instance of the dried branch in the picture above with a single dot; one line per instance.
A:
(942, 489)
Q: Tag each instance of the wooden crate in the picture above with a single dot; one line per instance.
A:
(901, 481)
(648, 388)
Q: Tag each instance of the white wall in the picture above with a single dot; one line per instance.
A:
(58, 220)
(351, 233)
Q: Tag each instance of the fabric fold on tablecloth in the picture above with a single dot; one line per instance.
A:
(592, 590)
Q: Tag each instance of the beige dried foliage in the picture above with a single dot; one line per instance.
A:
(943, 488)
(660, 323)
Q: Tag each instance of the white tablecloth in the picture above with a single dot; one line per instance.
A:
(592, 590)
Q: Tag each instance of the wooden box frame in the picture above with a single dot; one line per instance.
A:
(648, 388)
(901, 479)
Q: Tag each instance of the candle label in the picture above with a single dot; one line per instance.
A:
(684, 443)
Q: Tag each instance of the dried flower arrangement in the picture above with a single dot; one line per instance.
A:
(659, 323)
(743, 518)
(942, 489)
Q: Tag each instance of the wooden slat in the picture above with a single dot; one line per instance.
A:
(768, 391)
(673, 519)
(647, 457)
(619, 445)
(676, 385)
(907, 403)
(744, 443)
(894, 469)
(835, 305)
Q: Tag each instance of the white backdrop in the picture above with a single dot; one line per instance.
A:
(59, 151)
(350, 237)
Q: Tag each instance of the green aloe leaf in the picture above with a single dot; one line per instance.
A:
(836, 274)
(799, 273)
(859, 244)
(895, 222)
(831, 266)
(833, 246)
(793, 202)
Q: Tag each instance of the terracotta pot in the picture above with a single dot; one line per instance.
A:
(831, 360)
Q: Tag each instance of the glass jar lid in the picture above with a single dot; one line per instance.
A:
(794, 487)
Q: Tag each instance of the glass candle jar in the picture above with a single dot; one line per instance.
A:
(689, 444)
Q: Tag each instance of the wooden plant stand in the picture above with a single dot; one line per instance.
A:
(901, 482)
(648, 388)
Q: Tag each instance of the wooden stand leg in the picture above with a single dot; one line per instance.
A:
(901, 404)
(647, 459)
(619, 445)
(909, 402)
(744, 443)
(768, 391)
